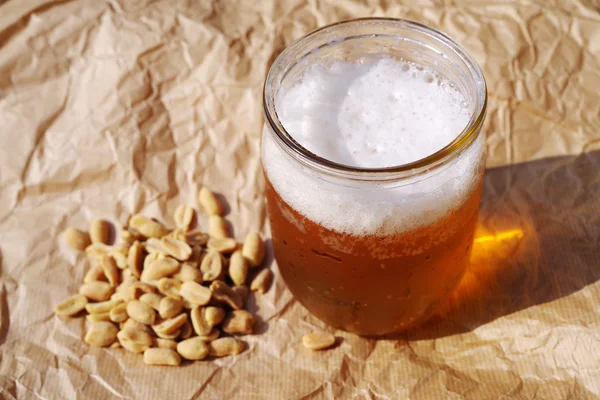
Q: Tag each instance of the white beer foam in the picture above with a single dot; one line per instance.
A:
(377, 114)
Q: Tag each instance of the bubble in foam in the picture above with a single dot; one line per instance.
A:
(379, 113)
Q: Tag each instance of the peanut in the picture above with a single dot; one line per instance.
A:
(163, 335)
(127, 277)
(118, 313)
(135, 234)
(160, 269)
(238, 268)
(209, 202)
(242, 292)
(226, 346)
(96, 291)
(111, 270)
(137, 220)
(170, 287)
(101, 334)
(212, 266)
(176, 248)
(193, 349)
(224, 294)
(76, 239)
(195, 293)
(154, 245)
(102, 307)
(122, 291)
(116, 296)
(213, 335)
(134, 340)
(196, 238)
(185, 332)
(136, 289)
(254, 249)
(141, 312)
(120, 256)
(153, 229)
(97, 317)
(152, 299)
(150, 258)
(318, 340)
(158, 356)
(177, 234)
(262, 282)
(125, 283)
(168, 326)
(169, 307)
(129, 233)
(222, 245)
(165, 343)
(187, 305)
(135, 259)
(214, 316)
(183, 217)
(135, 326)
(126, 235)
(197, 315)
(198, 254)
(99, 231)
(217, 227)
(95, 273)
(188, 273)
(71, 306)
(96, 251)
(239, 321)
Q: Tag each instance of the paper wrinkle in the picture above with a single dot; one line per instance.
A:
(110, 108)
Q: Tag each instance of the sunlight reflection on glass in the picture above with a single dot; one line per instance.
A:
(511, 234)
(497, 257)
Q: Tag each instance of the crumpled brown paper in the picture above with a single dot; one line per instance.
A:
(107, 108)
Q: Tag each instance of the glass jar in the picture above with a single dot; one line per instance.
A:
(373, 250)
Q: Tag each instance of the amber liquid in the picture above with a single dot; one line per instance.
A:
(371, 285)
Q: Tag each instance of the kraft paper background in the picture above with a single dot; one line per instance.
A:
(114, 107)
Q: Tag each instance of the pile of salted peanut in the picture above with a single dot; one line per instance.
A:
(168, 293)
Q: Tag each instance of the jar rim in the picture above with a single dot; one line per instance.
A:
(407, 170)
